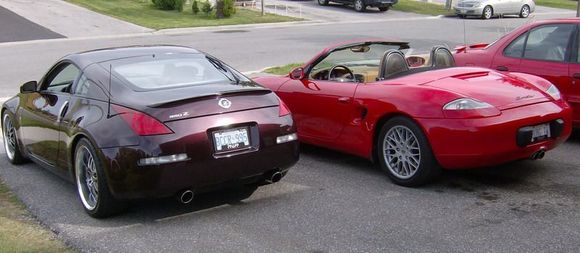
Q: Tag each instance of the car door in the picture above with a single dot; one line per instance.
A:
(499, 6)
(321, 108)
(41, 113)
(543, 51)
(572, 94)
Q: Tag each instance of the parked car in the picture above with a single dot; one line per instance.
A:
(361, 5)
(543, 48)
(148, 122)
(362, 98)
(489, 8)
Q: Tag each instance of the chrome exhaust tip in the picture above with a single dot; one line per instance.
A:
(274, 177)
(185, 197)
(538, 154)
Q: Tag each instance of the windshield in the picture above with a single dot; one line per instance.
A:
(169, 71)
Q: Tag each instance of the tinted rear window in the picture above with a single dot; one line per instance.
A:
(169, 71)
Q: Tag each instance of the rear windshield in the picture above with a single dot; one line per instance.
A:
(153, 72)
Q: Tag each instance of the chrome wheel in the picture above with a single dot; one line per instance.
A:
(9, 134)
(359, 5)
(87, 177)
(402, 152)
(525, 11)
(487, 12)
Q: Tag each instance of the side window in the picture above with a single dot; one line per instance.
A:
(62, 78)
(87, 88)
(549, 42)
(516, 48)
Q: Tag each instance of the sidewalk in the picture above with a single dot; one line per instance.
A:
(70, 20)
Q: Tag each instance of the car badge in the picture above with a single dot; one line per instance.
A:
(224, 103)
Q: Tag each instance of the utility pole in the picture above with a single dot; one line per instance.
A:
(578, 9)
(262, 7)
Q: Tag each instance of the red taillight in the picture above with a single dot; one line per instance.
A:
(141, 123)
(283, 111)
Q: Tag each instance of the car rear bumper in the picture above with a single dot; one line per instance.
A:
(473, 11)
(381, 3)
(203, 169)
(471, 143)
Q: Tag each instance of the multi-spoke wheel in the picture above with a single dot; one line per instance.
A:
(91, 182)
(487, 12)
(10, 141)
(525, 12)
(405, 154)
(359, 5)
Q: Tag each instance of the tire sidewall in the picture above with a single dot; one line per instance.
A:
(362, 5)
(483, 15)
(428, 167)
(98, 211)
(522, 11)
(17, 158)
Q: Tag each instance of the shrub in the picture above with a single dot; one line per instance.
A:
(206, 7)
(229, 8)
(194, 7)
(169, 4)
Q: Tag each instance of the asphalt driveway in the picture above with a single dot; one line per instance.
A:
(16, 28)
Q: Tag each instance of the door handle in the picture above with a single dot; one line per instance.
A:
(62, 111)
(502, 68)
(576, 75)
(344, 100)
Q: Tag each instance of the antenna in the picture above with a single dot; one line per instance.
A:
(464, 37)
(109, 100)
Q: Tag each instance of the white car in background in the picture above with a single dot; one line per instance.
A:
(489, 8)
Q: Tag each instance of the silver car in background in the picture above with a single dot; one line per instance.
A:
(489, 8)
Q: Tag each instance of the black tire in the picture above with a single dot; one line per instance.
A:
(487, 12)
(103, 204)
(525, 11)
(421, 165)
(323, 2)
(383, 9)
(11, 144)
(460, 16)
(359, 5)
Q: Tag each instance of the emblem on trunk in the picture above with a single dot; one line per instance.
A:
(224, 103)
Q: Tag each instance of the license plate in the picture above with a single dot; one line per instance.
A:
(462, 11)
(541, 132)
(231, 139)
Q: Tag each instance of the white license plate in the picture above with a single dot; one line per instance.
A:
(462, 11)
(231, 139)
(541, 131)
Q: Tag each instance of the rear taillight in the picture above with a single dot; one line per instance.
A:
(283, 111)
(141, 123)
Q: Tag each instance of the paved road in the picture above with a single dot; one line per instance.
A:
(16, 28)
(329, 202)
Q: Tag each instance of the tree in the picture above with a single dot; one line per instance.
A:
(206, 8)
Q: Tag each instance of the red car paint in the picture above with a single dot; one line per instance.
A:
(564, 74)
(347, 116)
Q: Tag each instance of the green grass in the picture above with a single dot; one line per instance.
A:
(563, 4)
(283, 70)
(421, 8)
(19, 232)
(143, 13)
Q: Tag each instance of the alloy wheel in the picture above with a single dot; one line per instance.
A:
(487, 12)
(402, 152)
(525, 11)
(358, 5)
(9, 134)
(87, 178)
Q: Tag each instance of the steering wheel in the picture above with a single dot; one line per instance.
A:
(351, 79)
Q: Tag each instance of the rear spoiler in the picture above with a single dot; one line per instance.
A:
(173, 102)
(463, 49)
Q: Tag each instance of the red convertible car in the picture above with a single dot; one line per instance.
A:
(362, 98)
(548, 49)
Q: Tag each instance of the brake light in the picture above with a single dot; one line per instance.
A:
(141, 123)
(283, 111)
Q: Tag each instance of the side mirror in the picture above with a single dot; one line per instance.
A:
(28, 87)
(297, 73)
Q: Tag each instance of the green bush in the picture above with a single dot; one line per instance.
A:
(169, 4)
(207, 8)
(194, 7)
(229, 8)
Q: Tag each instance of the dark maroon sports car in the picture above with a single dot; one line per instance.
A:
(147, 122)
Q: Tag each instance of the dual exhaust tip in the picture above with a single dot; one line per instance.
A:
(186, 196)
(538, 154)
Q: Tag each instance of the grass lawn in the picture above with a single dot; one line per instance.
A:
(563, 4)
(19, 232)
(424, 7)
(143, 13)
(283, 70)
